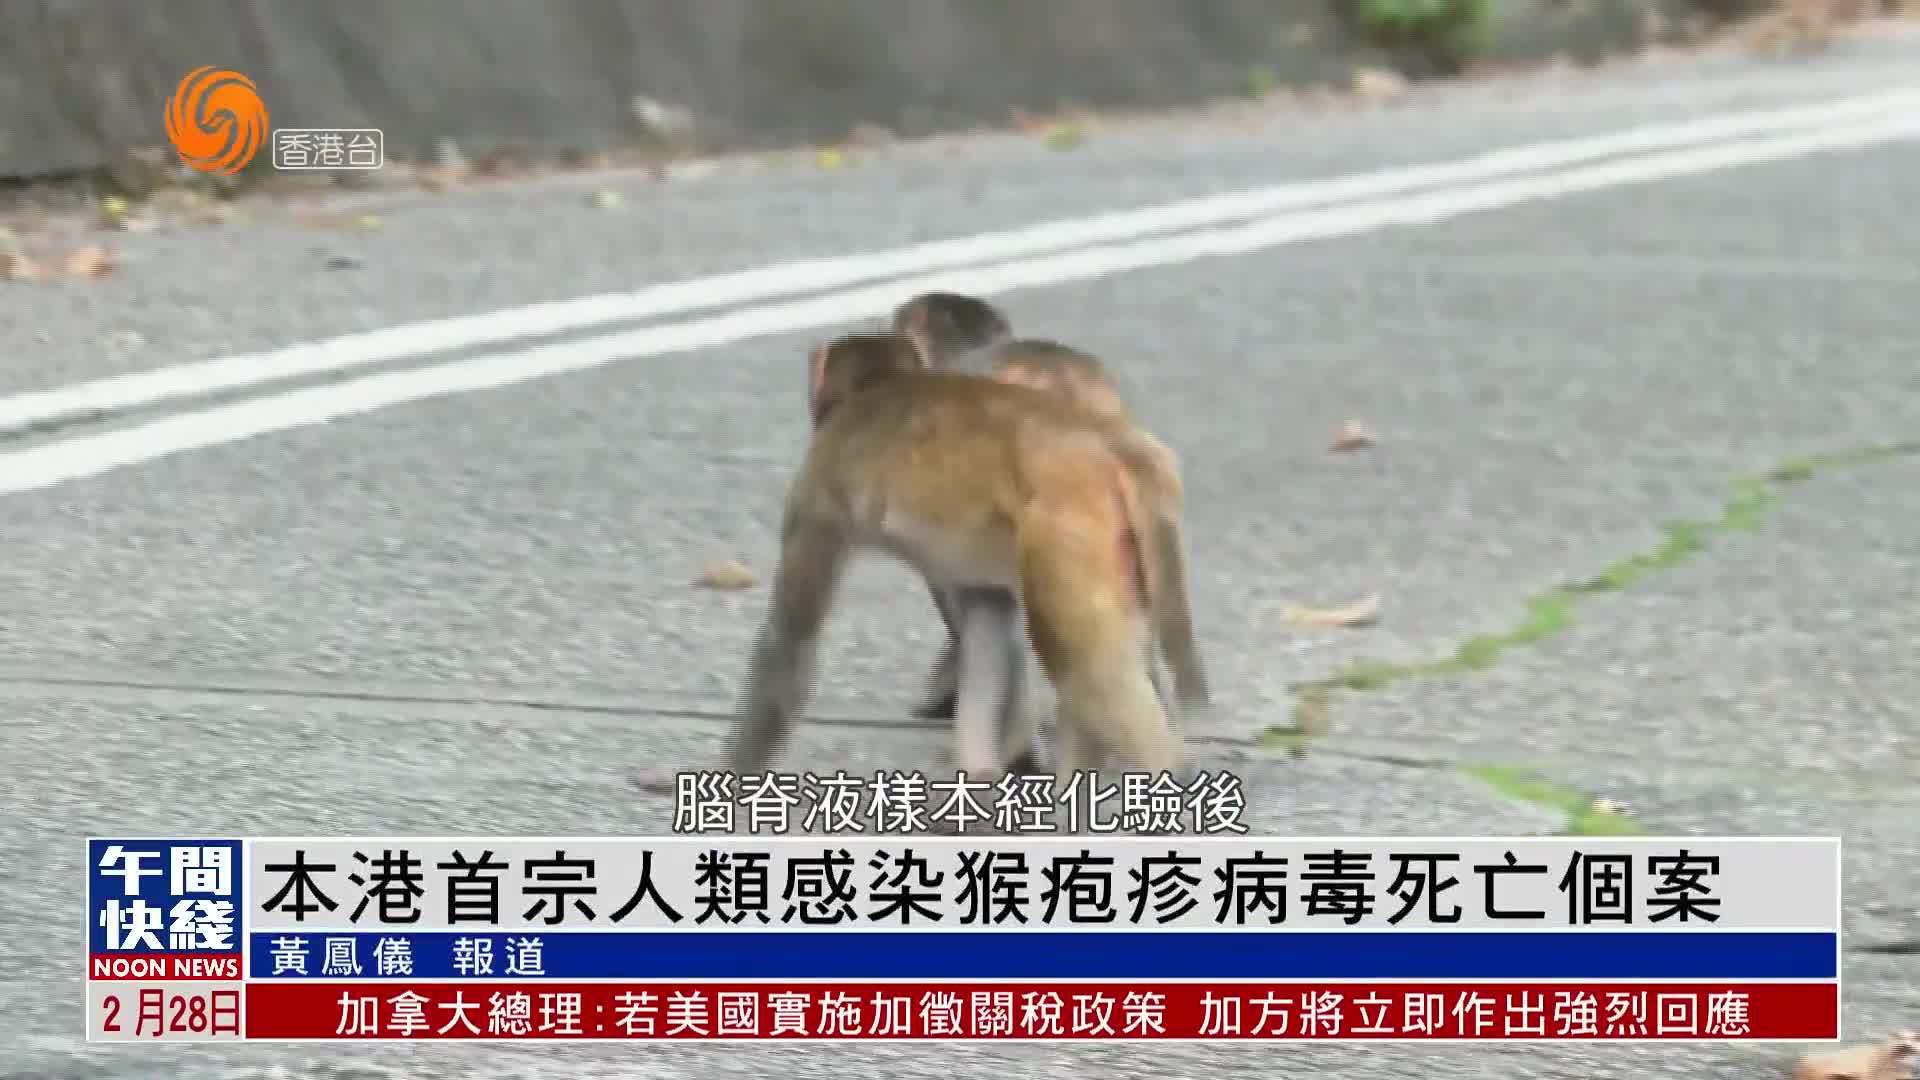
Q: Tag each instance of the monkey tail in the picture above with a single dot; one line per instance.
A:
(1142, 562)
(1164, 568)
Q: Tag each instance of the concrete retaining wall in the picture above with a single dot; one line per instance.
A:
(83, 81)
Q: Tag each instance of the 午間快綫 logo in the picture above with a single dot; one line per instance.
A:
(217, 122)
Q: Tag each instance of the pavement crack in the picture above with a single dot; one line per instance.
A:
(1552, 611)
(443, 702)
(1910, 947)
(434, 701)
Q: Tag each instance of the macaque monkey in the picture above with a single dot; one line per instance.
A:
(1082, 379)
(953, 331)
(950, 329)
(1007, 500)
(950, 326)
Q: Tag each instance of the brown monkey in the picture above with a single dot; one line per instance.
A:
(950, 326)
(951, 329)
(1004, 498)
(956, 331)
(1059, 369)
(1082, 379)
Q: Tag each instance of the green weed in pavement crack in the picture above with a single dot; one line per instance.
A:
(1548, 613)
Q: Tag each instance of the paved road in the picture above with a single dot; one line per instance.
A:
(472, 612)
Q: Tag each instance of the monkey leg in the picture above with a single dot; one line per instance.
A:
(938, 704)
(785, 660)
(1019, 741)
(990, 705)
(1090, 632)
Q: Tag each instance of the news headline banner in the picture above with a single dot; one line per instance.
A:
(289, 938)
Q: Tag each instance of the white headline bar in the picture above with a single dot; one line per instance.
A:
(748, 884)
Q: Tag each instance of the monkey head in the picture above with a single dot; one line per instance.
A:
(947, 324)
(846, 365)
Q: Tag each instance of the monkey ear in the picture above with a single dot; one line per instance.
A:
(816, 377)
(916, 336)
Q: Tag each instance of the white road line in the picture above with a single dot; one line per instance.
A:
(23, 411)
(44, 466)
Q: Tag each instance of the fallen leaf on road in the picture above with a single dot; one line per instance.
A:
(17, 267)
(1378, 84)
(1030, 123)
(1353, 436)
(342, 220)
(1064, 137)
(113, 211)
(1891, 1059)
(727, 576)
(440, 177)
(1362, 612)
(604, 200)
(89, 262)
(500, 161)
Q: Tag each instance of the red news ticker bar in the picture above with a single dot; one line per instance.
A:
(1075, 1011)
(169, 966)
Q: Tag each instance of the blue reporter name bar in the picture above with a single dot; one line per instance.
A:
(935, 955)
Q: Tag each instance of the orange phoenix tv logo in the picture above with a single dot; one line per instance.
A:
(218, 123)
(216, 120)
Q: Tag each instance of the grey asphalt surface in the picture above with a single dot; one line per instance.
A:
(473, 614)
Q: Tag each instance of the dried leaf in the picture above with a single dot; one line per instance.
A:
(15, 266)
(1378, 84)
(113, 211)
(89, 262)
(1362, 612)
(341, 220)
(500, 161)
(726, 575)
(1029, 123)
(440, 177)
(1353, 436)
(1064, 136)
(1891, 1059)
(604, 200)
